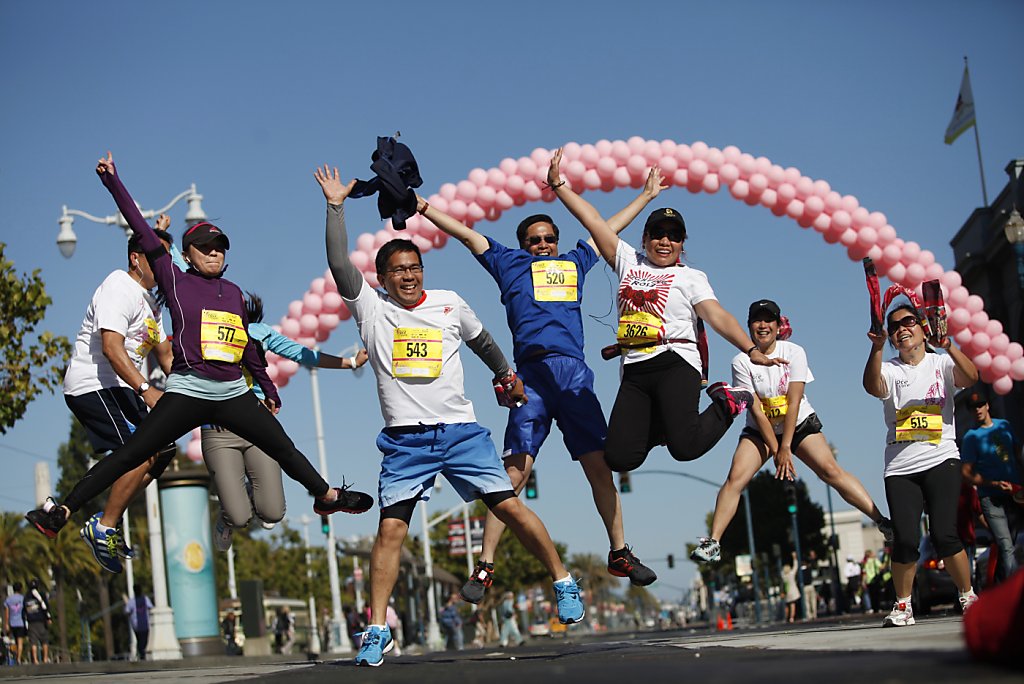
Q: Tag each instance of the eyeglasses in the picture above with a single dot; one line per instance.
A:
(905, 322)
(402, 270)
(535, 240)
(673, 234)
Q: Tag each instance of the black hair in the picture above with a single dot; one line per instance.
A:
(134, 246)
(525, 224)
(17, 587)
(137, 588)
(909, 307)
(253, 307)
(393, 246)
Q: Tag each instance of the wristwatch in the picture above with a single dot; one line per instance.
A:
(142, 388)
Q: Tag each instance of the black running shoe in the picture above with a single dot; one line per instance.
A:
(476, 586)
(348, 501)
(623, 563)
(48, 522)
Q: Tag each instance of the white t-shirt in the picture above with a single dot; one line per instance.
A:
(770, 383)
(123, 306)
(414, 354)
(918, 408)
(657, 303)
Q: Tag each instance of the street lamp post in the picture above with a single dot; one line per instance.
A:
(314, 632)
(67, 240)
(1014, 226)
(750, 528)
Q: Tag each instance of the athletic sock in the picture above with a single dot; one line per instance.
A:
(565, 580)
(968, 593)
(903, 600)
(48, 506)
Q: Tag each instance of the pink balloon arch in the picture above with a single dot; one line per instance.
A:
(608, 165)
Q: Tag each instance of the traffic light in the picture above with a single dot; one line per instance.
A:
(531, 485)
(625, 487)
(325, 524)
(790, 490)
(671, 561)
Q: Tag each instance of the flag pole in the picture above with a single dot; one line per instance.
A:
(977, 145)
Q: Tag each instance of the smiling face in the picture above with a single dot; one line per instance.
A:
(402, 277)
(764, 330)
(905, 331)
(663, 243)
(207, 258)
(541, 239)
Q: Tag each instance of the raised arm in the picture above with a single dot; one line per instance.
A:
(873, 382)
(652, 188)
(605, 239)
(346, 275)
(474, 241)
(726, 325)
(965, 373)
(108, 175)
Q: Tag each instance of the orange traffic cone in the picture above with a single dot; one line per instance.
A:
(728, 622)
(721, 625)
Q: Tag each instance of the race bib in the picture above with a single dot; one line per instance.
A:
(639, 331)
(919, 423)
(554, 281)
(221, 336)
(775, 408)
(151, 338)
(416, 353)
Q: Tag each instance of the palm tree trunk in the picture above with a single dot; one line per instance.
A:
(62, 625)
(108, 626)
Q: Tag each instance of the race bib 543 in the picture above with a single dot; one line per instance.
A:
(416, 353)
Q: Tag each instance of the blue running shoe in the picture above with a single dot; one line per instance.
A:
(103, 544)
(376, 642)
(570, 607)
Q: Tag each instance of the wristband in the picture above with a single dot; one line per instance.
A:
(352, 360)
(556, 185)
(751, 350)
(423, 211)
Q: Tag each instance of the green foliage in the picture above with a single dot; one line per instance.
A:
(23, 551)
(31, 362)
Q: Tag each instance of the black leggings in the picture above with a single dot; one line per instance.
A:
(176, 414)
(936, 491)
(657, 404)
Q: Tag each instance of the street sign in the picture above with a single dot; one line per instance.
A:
(457, 536)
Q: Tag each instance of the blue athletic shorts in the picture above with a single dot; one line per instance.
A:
(560, 388)
(414, 456)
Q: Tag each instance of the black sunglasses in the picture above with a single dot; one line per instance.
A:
(905, 322)
(673, 234)
(535, 240)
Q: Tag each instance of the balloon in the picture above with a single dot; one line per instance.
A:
(795, 209)
(715, 159)
(1017, 370)
(636, 144)
(987, 376)
(963, 338)
(983, 361)
(1014, 351)
(194, 451)
(652, 151)
(859, 216)
(295, 309)
(915, 274)
(739, 189)
(850, 203)
(508, 166)
(926, 258)
(329, 284)
(769, 198)
(589, 155)
(776, 175)
(448, 191)
(321, 334)
(290, 328)
(504, 201)
(874, 253)
(951, 279)
(813, 206)
(574, 170)
(848, 236)
(343, 313)
(636, 165)
(282, 382)
(289, 367)
(833, 201)
(731, 154)
(959, 319)
(684, 155)
(329, 321)
(591, 180)
(886, 234)
(994, 328)
(729, 174)
(312, 303)
(981, 340)
(541, 156)
(822, 188)
(867, 236)
(606, 167)
(877, 220)
(758, 183)
(805, 188)
(318, 286)
(958, 297)
(897, 273)
(747, 165)
(273, 372)
(332, 302)
(466, 191)
(979, 322)
(710, 183)
(791, 175)
(786, 193)
(1001, 365)
(911, 251)
(934, 272)
(975, 304)
(528, 167)
(457, 208)
(381, 238)
(822, 223)
(474, 212)
(891, 254)
(308, 324)
(485, 197)
(699, 149)
(621, 177)
(620, 151)
(856, 252)
(1003, 385)
(571, 151)
(698, 169)
(842, 219)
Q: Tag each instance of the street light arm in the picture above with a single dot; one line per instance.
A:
(712, 483)
(163, 210)
(108, 220)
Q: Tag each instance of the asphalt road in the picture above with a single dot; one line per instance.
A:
(833, 653)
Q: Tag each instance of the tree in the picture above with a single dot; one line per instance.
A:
(32, 362)
(23, 551)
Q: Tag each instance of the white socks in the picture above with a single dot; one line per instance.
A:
(565, 580)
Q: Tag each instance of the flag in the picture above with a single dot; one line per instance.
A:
(963, 115)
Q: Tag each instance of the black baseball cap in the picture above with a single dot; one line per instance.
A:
(976, 399)
(764, 305)
(666, 215)
(201, 234)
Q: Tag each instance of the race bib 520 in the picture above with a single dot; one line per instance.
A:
(554, 281)
(221, 336)
(416, 353)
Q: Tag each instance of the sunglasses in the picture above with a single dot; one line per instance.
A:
(535, 240)
(905, 322)
(673, 234)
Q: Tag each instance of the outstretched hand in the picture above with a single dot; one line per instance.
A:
(759, 358)
(104, 166)
(163, 222)
(655, 183)
(554, 176)
(877, 339)
(330, 182)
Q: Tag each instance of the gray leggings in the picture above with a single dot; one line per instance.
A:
(236, 465)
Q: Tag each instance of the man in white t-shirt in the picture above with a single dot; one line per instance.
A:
(413, 337)
(107, 391)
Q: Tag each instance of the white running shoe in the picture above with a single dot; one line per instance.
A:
(902, 615)
(222, 535)
(967, 601)
(707, 551)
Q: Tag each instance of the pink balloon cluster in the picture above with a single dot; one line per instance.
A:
(607, 165)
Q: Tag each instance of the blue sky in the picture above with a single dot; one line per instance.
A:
(244, 100)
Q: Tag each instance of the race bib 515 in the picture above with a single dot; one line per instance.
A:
(919, 423)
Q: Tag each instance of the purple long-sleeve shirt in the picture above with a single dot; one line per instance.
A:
(188, 295)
